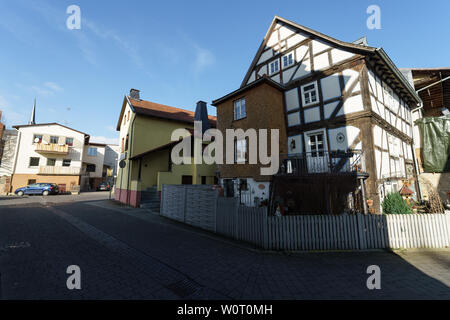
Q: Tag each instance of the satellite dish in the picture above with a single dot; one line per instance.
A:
(36, 140)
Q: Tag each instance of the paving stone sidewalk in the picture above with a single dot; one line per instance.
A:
(133, 254)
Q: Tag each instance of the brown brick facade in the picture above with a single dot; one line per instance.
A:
(264, 110)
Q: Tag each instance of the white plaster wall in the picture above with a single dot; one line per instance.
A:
(312, 114)
(377, 136)
(293, 119)
(378, 156)
(321, 61)
(301, 53)
(292, 41)
(273, 39)
(329, 108)
(292, 101)
(276, 78)
(252, 77)
(266, 55)
(319, 46)
(338, 55)
(97, 160)
(124, 127)
(349, 132)
(330, 87)
(263, 70)
(352, 104)
(26, 148)
(286, 31)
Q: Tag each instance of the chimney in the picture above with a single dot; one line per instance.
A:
(134, 94)
(201, 114)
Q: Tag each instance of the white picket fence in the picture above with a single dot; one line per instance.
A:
(202, 207)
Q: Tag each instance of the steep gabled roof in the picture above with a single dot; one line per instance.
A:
(255, 83)
(379, 58)
(152, 109)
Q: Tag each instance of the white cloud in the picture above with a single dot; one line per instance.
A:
(47, 89)
(128, 48)
(10, 116)
(102, 139)
(53, 86)
(203, 58)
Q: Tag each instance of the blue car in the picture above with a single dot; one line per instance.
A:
(38, 188)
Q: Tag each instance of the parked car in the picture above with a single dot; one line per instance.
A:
(103, 187)
(38, 188)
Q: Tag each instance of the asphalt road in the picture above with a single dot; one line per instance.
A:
(126, 253)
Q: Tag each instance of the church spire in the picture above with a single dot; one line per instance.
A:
(33, 114)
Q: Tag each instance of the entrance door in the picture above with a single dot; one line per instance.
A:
(316, 157)
(229, 188)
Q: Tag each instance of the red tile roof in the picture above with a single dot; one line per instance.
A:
(162, 111)
(405, 191)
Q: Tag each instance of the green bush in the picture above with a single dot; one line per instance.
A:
(394, 203)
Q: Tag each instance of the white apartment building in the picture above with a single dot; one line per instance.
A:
(54, 153)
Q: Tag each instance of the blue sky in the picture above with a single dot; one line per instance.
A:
(176, 52)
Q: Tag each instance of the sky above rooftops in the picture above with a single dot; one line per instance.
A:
(176, 52)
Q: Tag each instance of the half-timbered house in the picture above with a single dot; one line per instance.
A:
(346, 112)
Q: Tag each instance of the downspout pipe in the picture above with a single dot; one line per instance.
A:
(416, 165)
(130, 148)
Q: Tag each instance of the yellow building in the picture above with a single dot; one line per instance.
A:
(145, 148)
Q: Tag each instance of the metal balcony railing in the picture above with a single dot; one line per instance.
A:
(322, 162)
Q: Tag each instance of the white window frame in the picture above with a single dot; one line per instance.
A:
(68, 138)
(316, 90)
(290, 54)
(57, 140)
(240, 109)
(241, 143)
(277, 62)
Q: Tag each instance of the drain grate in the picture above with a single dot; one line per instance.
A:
(183, 288)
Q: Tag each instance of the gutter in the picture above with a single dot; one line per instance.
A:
(399, 75)
(130, 146)
(416, 164)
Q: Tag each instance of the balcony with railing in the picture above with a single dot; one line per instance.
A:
(54, 170)
(52, 148)
(323, 162)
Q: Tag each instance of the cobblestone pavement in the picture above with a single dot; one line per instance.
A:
(132, 254)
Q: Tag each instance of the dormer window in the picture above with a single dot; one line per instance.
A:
(309, 94)
(274, 67)
(288, 60)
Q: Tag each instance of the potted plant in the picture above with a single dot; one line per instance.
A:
(369, 202)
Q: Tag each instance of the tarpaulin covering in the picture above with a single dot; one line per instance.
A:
(435, 135)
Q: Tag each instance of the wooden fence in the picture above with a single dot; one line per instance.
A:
(203, 208)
